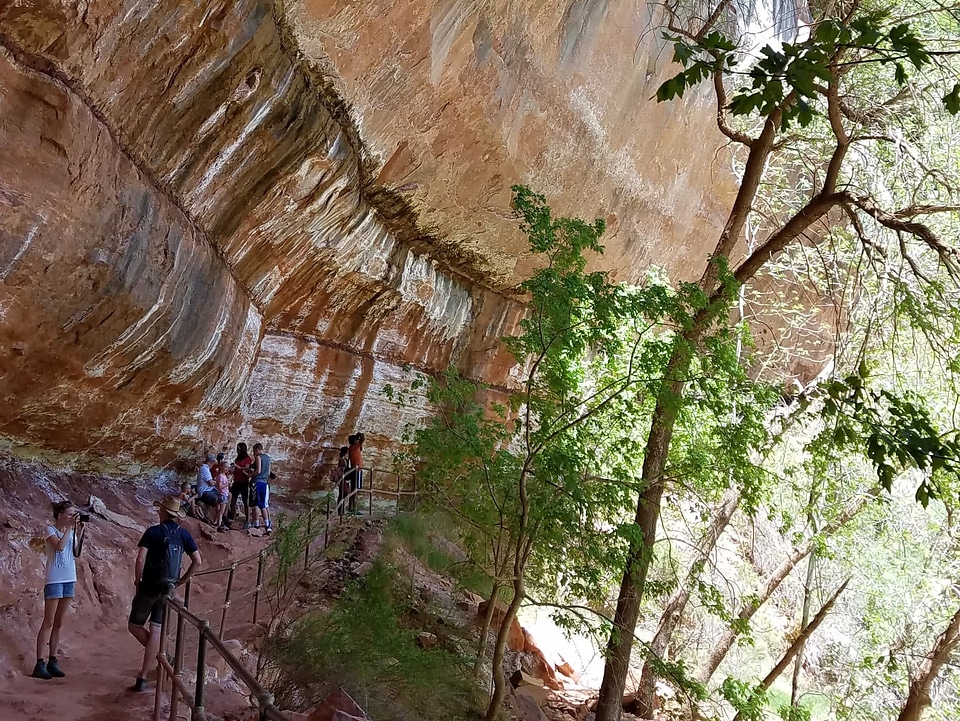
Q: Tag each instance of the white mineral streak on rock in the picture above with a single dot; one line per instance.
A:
(228, 390)
(198, 195)
(98, 365)
(284, 387)
(446, 303)
(191, 365)
(21, 250)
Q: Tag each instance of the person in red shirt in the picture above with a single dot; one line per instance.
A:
(240, 490)
(356, 466)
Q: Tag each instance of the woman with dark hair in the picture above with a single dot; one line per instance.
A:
(241, 483)
(63, 541)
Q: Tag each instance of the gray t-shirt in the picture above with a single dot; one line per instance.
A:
(264, 475)
(204, 479)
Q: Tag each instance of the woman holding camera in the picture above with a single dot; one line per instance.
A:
(63, 541)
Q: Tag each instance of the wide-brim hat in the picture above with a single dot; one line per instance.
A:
(171, 504)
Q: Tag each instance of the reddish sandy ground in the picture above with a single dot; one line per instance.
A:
(98, 655)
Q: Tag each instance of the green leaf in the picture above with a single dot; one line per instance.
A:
(900, 74)
(951, 100)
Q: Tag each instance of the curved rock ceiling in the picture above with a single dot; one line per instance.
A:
(241, 218)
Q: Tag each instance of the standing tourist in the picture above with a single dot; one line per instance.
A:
(261, 477)
(356, 466)
(339, 477)
(240, 490)
(63, 541)
(223, 492)
(156, 574)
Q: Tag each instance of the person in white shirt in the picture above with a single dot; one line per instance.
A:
(63, 541)
(208, 498)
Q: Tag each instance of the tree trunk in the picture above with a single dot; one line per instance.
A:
(807, 593)
(485, 631)
(676, 604)
(773, 581)
(620, 645)
(499, 682)
(520, 556)
(919, 697)
(798, 643)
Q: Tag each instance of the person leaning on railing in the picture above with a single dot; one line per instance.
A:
(339, 477)
(355, 454)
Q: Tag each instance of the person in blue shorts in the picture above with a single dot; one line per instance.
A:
(261, 477)
(62, 542)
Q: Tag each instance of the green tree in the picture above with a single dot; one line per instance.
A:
(821, 105)
(543, 486)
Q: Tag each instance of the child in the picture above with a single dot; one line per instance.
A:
(188, 498)
(223, 489)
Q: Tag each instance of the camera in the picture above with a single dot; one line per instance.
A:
(82, 517)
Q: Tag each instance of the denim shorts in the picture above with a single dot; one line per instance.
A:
(58, 590)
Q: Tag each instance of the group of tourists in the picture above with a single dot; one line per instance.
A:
(219, 489)
(222, 486)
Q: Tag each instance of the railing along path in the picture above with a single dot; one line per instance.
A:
(167, 671)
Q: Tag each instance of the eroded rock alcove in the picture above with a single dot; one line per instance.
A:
(241, 218)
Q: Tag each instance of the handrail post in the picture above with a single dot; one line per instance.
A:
(398, 493)
(158, 698)
(309, 536)
(178, 648)
(326, 525)
(198, 712)
(226, 600)
(256, 595)
(370, 490)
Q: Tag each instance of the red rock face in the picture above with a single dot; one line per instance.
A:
(197, 247)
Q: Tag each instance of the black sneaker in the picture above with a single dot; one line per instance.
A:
(40, 671)
(53, 669)
(140, 685)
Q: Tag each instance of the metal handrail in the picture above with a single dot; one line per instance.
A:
(179, 690)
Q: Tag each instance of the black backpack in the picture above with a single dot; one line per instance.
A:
(171, 557)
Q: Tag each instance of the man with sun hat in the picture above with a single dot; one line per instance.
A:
(157, 573)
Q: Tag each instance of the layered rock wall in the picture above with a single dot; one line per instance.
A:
(218, 220)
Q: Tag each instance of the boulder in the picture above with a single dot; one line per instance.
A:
(363, 569)
(100, 508)
(528, 709)
(338, 706)
(565, 669)
(13, 523)
(535, 663)
(537, 694)
(519, 679)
